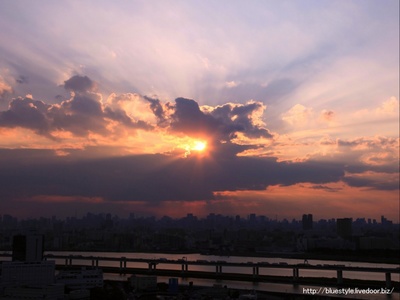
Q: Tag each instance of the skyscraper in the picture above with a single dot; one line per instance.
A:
(28, 248)
(344, 227)
(307, 222)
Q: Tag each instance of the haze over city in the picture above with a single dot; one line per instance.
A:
(277, 108)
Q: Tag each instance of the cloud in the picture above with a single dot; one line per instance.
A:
(82, 114)
(189, 119)
(370, 162)
(22, 79)
(85, 113)
(158, 110)
(327, 115)
(27, 113)
(298, 115)
(222, 122)
(151, 178)
(373, 180)
(269, 93)
(247, 117)
(339, 200)
(80, 84)
(387, 108)
(325, 188)
(79, 115)
(5, 88)
(229, 129)
(379, 154)
(231, 84)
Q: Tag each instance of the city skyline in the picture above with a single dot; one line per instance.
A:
(273, 108)
(382, 220)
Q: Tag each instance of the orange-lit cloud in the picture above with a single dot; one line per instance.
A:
(334, 200)
(92, 111)
(4, 87)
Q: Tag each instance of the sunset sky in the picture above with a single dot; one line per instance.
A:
(277, 108)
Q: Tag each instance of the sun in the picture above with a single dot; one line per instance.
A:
(195, 147)
(199, 146)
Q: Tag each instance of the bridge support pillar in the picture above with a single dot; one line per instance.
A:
(339, 276)
(218, 269)
(152, 266)
(388, 280)
(68, 261)
(295, 274)
(122, 264)
(256, 271)
(184, 268)
(95, 262)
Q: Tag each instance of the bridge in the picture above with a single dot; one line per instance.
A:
(219, 268)
(220, 265)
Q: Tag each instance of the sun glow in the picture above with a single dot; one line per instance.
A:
(194, 146)
(199, 146)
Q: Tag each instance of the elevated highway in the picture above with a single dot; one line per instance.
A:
(220, 267)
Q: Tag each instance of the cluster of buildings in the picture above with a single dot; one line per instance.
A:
(214, 234)
(361, 234)
(29, 276)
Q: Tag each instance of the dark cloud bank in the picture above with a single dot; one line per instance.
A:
(150, 177)
(158, 177)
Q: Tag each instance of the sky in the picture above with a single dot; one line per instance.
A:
(277, 108)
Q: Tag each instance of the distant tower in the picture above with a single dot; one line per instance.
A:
(28, 248)
(252, 218)
(344, 227)
(307, 222)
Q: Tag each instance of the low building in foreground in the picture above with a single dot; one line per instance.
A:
(81, 279)
(143, 283)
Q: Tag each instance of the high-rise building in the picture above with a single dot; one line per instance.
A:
(307, 222)
(28, 248)
(344, 227)
(252, 218)
(27, 267)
